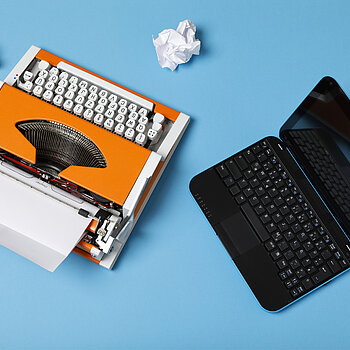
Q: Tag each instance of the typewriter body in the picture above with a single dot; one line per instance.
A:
(79, 157)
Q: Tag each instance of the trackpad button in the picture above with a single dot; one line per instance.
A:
(238, 229)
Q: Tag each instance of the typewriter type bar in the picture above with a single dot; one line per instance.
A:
(77, 156)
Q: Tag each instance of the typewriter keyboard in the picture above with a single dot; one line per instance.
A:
(93, 103)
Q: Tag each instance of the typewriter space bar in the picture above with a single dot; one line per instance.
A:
(105, 85)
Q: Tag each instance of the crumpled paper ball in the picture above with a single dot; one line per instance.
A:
(174, 47)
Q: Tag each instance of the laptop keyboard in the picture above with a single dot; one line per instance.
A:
(293, 235)
(317, 149)
(121, 115)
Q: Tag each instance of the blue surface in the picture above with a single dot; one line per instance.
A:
(174, 286)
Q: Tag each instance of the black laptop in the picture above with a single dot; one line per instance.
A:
(281, 207)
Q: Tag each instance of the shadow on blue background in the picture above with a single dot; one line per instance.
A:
(174, 285)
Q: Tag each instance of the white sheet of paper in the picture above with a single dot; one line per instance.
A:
(37, 226)
(174, 47)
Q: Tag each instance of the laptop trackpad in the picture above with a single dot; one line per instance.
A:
(241, 234)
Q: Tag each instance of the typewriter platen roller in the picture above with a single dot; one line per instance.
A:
(84, 144)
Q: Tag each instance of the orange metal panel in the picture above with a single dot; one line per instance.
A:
(125, 159)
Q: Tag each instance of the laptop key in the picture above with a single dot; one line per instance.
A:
(322, 275)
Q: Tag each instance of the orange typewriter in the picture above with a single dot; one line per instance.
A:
(79, 158)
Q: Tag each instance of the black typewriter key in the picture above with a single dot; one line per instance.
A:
(256, 149)
(254, 183)
(296, 209)
(313, 254)
(261, 175)
(308, 246)
(302, 237)
(277, 218)
(277, 236)
(248, 192)
(279, 201)
(343, 263)
(294, 244)
(290, 218)
(260, 191)
(295, 280)
(265, 218)
(289, 272)
(320, 245)
(318, 261)
(262, 157)
(273, 192)
(337, 255)
(300, 289)
(271, 227)
(283, 226)
(242, 183)
(256, 166)
(284, 210)
(273, 174)
(294, 293)
(221, 169)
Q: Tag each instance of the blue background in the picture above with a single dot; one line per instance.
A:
(174, 286)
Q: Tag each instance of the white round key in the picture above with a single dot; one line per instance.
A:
(109, 113)
(98, 119)
(69, 94)
(120, 118)
(133, 115)
(88, 114)
(140, 128)
(143, 112)
(132, 107)
(152, 135)
(79, 99)
(54, 71)
(49, 85)
(93, 96)
(78, 109)
(58, 100)
(93, 89)
(68, 105)
(119, 129)
(130, 134)
(103, 101)
(83, 92)
(63, 83)
(103, 93)
(43, 73)
(112, 98)
(130, 123)
(39, 81)
(73, 80)
(122, 110)
(83, 84)
(38, 91)
(108, 124)
(48, 95)
(64, 76)
(113, 106)
(158, 118)
(90, 104)
(123, 102)
(43, 65)
(157, 126)
(28, 86)
(73, 87)
(141, 139)
(143, 120)
(53, 78)
(28, 76)
(99, 109)
(59, 90)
